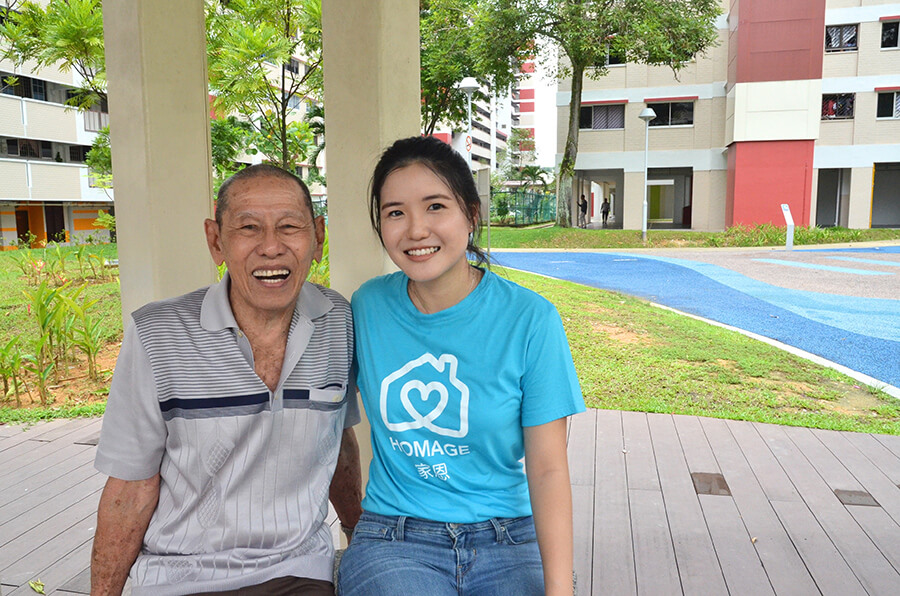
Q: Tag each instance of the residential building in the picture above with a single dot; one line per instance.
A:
(45, 188)
(489, 131)
(798, 105)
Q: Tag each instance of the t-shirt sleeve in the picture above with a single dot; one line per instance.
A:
(550, 387)
(133, 434)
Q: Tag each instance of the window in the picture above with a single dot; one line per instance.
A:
(840, 38)
(294, 102)
(602, 117)
(678, 113)
(293, 66)
(12, 146)
(889, 105)
(38, 90)
(889, 35)
(837, 106)
(78, 153)
(46, 150)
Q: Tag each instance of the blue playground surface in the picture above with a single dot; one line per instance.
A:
(859, 333)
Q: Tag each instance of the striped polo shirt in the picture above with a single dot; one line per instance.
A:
(244, 471)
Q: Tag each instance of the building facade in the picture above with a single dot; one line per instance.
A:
(798, 104)
(45, 188)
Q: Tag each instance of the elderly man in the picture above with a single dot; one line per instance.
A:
(229, 412)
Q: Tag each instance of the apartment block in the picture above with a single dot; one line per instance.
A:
(797, 104)
(45, 187)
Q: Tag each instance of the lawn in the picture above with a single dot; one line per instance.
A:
(629, 355)
(762, 235)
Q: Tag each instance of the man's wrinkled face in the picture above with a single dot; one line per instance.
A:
(268, 238)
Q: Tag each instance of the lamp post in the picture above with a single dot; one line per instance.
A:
(468, 86)
(647, 114)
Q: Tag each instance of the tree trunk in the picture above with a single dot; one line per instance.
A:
(567, 168)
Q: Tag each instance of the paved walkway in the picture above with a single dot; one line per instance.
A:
(839, 303)
(664, 505)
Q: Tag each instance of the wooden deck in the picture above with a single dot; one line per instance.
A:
(663, 505)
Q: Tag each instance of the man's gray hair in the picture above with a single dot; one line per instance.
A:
(259, 171)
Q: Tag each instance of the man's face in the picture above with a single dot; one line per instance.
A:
(268, 238)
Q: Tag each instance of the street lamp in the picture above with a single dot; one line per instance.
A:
(468, 86)
(647, 114)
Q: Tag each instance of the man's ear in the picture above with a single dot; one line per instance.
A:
(214, 241)
(320, 238)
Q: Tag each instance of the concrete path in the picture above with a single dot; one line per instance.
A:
(841, 303)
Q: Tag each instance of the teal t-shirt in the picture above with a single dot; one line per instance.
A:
(447, 395)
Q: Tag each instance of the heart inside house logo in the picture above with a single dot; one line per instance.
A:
(433, 395)
(412, 398)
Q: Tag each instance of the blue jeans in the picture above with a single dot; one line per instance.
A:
(414, 557)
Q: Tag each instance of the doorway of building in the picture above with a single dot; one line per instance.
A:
(55, 221)
(22, 225)
(669, 198)
(886, 196)
(833, 198)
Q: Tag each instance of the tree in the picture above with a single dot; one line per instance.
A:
(586, 32)
(251, 44)
(449, 53)
(67, 34)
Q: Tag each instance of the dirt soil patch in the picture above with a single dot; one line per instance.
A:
(76, 388)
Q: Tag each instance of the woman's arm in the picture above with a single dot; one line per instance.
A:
(551, 501)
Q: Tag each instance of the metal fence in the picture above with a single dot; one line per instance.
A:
(522, 208)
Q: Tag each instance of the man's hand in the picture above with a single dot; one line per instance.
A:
(122, 519)
(346, 485)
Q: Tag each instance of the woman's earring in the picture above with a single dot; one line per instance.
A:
(471, 238)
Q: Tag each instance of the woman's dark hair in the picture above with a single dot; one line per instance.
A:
(447, 164)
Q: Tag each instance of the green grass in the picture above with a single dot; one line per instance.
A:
(15, 318)
(762, 235)
(634, 356)
(629, 356)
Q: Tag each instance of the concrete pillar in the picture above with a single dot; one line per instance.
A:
(371, 50)
(860, 211)
(159, 123)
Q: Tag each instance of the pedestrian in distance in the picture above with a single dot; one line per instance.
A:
(604, 211)
(582, 212)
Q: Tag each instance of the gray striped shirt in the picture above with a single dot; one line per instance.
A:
(245, 471)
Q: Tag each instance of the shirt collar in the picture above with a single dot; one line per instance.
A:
(216, 314)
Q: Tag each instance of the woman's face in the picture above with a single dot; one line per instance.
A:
(423, 226)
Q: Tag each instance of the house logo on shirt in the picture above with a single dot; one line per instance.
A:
(425, 393)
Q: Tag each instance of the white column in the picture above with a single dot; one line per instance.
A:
(159, 123)
(371, 98)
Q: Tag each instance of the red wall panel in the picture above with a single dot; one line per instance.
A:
(526, 106)
(777, 40)
(764, 174)
(526, 93)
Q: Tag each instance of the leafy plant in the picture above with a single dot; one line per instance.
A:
(106, 221)
(10, 368)
(320, 272)
(86, 333)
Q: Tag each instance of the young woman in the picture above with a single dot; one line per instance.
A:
(462, 374)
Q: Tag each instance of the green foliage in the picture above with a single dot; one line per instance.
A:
(229, 137)
(67, 34)
(249, 45)
(448, 54)
(319, 272)
(99, 159)
(105, 220)
(14, 416)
